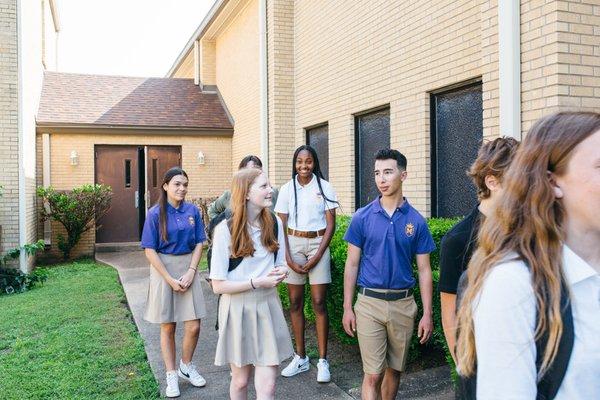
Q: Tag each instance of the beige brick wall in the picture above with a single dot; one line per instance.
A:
(280, 33)
(206, 180)
(237, 76)
(328, 61)
(579, 55)
(9, 149)
(353, 56)
(186, 68)
(208, 62)
(489, 68)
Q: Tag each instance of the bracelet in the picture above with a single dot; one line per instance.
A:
(252, 284)
(193, 269)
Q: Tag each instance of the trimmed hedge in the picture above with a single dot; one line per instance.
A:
(335, 294)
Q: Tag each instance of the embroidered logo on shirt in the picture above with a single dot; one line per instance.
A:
(191, 221)
(409, 229)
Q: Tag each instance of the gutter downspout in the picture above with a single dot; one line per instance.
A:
(509, 67)
(20, 136)
(264, 93)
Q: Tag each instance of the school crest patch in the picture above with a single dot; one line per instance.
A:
(191, 221)
(409, 229)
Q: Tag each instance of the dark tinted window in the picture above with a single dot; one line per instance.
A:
(457, 131)
(372, 134)
(318, 138)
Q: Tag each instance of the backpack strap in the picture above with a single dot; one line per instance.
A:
(548, 386)
(234, 262)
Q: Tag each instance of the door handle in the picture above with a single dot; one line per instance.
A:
(137, 199)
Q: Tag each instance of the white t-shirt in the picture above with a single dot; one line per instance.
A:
(311, 204)
(251, 267)
(505, 318)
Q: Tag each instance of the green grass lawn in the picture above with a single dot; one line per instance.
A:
(72, 338)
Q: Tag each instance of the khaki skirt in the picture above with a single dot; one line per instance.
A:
(252, 329)
(165, 305)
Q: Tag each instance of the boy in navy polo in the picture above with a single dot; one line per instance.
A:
(383, 238)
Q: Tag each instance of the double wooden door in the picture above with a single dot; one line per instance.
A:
(135, 175)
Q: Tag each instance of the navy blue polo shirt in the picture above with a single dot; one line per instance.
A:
(185, 229)
(388, 244)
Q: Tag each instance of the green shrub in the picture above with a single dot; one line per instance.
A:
(335, 295)
(78, 210)
(13, 280)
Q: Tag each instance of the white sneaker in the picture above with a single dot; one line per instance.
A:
(190, 374)
(172, 384)
(296, 366)
(323, 374)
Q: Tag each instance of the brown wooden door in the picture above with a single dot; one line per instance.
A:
(159, 159)
(117, 166)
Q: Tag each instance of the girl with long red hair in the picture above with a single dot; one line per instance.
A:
(248, 262)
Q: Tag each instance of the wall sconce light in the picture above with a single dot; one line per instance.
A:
(200, 158)
(74, 157)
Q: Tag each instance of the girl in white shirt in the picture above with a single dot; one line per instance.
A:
(544, 236)
(306, 205)
(253, 334)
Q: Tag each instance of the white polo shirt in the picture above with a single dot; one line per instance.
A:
(311, 204)
(505, 318)
(251, 267)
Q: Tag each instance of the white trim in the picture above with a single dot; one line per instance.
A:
(509, 67)
(46, 181)
(20, 137)
(196, 35)
(196, 62)
(55, 19)
(263, 76)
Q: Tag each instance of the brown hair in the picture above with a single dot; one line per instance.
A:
(493, 158)
(529, 222)
(241, 242)
(162, 200)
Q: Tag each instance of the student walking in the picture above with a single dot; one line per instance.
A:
(247, 264)
(306, 205)
(487, 171)
(529, 321)
(222, 203)
(383, 239)
(172, 240)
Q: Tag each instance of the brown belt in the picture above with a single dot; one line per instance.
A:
(305, 234)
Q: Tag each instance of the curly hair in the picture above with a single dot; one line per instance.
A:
(493, 158)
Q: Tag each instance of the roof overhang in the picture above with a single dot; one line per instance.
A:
(221, 14)
(96, 129)
(214, 10)
(54, 11)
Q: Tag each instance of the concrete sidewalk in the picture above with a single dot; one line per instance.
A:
(134, 271)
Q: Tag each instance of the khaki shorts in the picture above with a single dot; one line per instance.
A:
(301, 249)
(384, 331)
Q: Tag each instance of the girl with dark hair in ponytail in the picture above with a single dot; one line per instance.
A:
(306, 206)
(172, 240)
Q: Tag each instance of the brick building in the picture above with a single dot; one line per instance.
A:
(126, 132)
(28, 44)
(431, 78)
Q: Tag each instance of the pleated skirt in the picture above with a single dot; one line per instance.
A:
(252, 329)
(164, 304)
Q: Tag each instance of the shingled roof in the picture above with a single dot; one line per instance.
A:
(107, 101)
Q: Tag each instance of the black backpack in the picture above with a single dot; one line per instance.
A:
(233, 261)
(548, 386)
